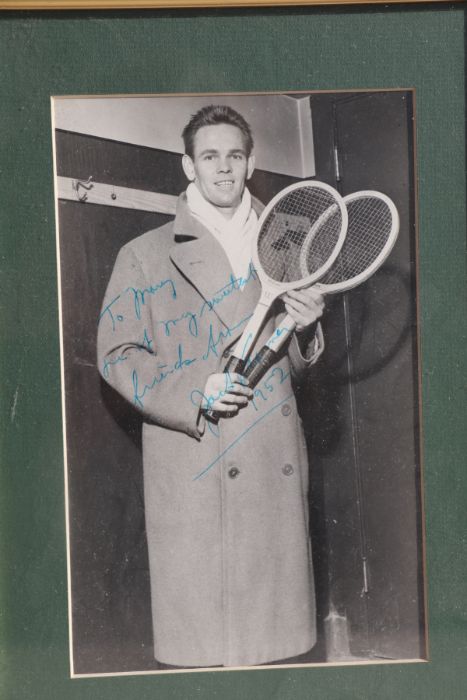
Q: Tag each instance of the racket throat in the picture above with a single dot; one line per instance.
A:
(244, 346)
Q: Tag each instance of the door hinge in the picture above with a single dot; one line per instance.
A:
(366, 587)
(336, 164)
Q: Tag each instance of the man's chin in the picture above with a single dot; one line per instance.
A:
(226, 202)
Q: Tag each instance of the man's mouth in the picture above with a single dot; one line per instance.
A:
(225, 184)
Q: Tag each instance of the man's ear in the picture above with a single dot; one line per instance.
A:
(250, 167)
(188, 167)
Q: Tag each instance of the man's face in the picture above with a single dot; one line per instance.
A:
(219, 166)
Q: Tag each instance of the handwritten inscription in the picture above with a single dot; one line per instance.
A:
(234, 442)
(275, 337)
(171, 323)
(234, 284)
(266, 387)
(146, 344)
(114, 313)
(109, 363)
(146, 377)
(163, 372)
(138, 296)
(113, 310)
(107, 312)
(199, 398)
(216, 339)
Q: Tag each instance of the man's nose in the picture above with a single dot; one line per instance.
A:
(224, 165)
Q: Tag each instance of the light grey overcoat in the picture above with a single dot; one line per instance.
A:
(226, 506)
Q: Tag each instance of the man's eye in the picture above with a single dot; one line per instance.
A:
(238, 156)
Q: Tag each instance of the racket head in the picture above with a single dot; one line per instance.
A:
(308, 215)
(373, 228)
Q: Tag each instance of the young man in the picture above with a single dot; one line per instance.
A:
(226, 504)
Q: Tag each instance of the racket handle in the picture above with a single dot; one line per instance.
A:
(268, 354)
(283, 331)
(250, 333)
(260, 365)
(235, 365)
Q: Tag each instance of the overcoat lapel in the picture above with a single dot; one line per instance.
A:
(202, 260)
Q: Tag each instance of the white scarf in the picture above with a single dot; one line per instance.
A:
(235, 235)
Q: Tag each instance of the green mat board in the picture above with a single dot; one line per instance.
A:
(213, 51)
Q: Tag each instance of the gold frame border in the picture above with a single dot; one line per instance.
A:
(186, 4)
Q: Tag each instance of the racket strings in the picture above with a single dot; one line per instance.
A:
(369, 229)
(293, 224)
(321, 241)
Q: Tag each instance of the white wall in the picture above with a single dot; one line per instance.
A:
(281, 124)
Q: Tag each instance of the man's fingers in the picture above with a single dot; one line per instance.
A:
(306, 295)
(237, 378)
(234, 399)
(229, 401)
(305, 303)
(310, 313)
(224, 407)
(226, 392)
(301, 320)
(224, 382)
(240, 390)
(239, 385)
(304, 307)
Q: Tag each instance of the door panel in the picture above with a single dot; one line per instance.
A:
(366, 449)
(375, 152)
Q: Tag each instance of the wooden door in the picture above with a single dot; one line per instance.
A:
(364, 422)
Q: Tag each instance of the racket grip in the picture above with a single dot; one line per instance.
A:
(268, 354)
(260, 365)
(235, 365)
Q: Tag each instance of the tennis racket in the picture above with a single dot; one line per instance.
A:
(373, 227)
(299, 236)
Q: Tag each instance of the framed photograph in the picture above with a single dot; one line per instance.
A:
(165, 286)
(164, 523)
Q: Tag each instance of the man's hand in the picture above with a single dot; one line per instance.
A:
(305, 306)
(226, 393)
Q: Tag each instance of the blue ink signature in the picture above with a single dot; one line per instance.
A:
(266, 386)
(139, 299)
(146, 345)
(147, 341)
(164, 371)
(204, 471)
(213, 342)
(280, 330)
(207, 401)
(107, 310)
(233, 285)
(109, 363)
(139, 295)
(192, 323)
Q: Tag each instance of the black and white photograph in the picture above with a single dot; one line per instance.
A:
(240, 380)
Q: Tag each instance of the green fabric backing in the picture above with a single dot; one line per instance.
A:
(43, 54)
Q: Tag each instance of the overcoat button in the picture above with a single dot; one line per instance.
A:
(286, 410)
(233, 472)
(287, 469)
(226, 354)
